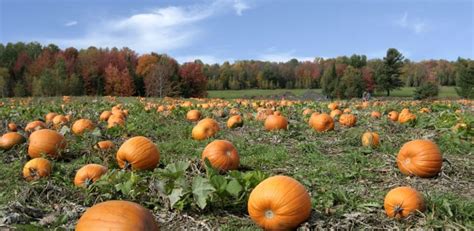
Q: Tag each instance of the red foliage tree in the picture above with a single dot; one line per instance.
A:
(118, 83)
(368, 77)
(193, 80)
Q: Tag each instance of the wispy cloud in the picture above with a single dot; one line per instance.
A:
(70, 23)
(416, 25)
(240, 6)
(209, 59)
(161, 29)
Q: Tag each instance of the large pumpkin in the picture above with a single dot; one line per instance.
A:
(333, 106)
(420, 158)
(10, 139)
(82, 125)
(139, 153)
(406, 116)
(276, 122)
(210, 122)
(88, 174)
(402, 201)
(45, 141)
(50, 116)
(36, 168)
(370, 139)
(59, 121)
(321, 122)
(193, 115)
(348, 120)
(117, 215)
(222, 155)
(235, 121)
(279, 203)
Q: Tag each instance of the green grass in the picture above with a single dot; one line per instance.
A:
(347, 182)
(445, 92)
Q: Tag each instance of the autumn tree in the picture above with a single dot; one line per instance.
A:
(3, 81)
(193, 80)
(118, 82)
(389, 77)
(352, 83)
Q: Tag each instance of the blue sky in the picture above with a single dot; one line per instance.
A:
(273, 30)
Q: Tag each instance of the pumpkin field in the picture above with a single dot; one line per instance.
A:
(235, 164)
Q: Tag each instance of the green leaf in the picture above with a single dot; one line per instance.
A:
(211, 171)
(175, 170)
(96, 132)
(64, 130)
(219, 183)
(202, 189)
(234, 187)
(175, 196)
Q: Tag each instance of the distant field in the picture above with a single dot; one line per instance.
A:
(445, 92)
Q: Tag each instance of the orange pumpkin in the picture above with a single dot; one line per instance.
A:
(348, 120)
(262, 114)
(425, 110)
(279, 203)
(88, 174)
(370, 139)
(139, 153)
(393, 115)
(115, 120)
(335, 113)
(10, 139)
(105, 145)
(35, 125)
(36, 168)
(402, 201)
(333, 106)
(275, 122)
(420, 158)
(46, 141)
(211, 123)
(375, 114)
(104, 116)
(50, 116)
(307, 111)
(406, 116)
(82, 125)
(59, 121)
(193, 115)
(117, 215)
(235, 121)
(222, 155)
(12, 127)
(347, 110)
(321, 122)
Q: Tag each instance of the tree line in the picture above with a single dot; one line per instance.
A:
(31, 69)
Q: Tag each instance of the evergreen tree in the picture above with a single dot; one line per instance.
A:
(465, 78)
(389, 77)
(328, 81)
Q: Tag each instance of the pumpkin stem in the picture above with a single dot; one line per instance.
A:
(127, 166)
(269, 214)
(397, 210)
(88, 182)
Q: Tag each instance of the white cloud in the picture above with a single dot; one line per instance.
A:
(275, 56)
(240, 6)
(70, 23)
(209, 59)
(418, 26)
(160, 30)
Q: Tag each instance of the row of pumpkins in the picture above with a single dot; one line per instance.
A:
(279, 202)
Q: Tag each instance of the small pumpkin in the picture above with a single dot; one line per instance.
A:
(35, 125)
(276, 122)
(82, 125)
(333, 106)
(46, 141)
(222, 155)
(10, 139)
(115, 120)
(59, 121)
(321, 122)
(105, 145)
(12, 127)
(50, 116)
(393, 116)
(89, 174)
(348, 120)
(307, 111)
(279, 203)
(139, 153)
(235, 121)
(203, 131)
(420, 158)
(347, 110)
(402, 201)
(211, 123)
(370, 139)
(406, 116)
(375, 114)
(193, 115)
(425, 110)
(104, 116)
(335, 113)
(117, 215)
(36, 168)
